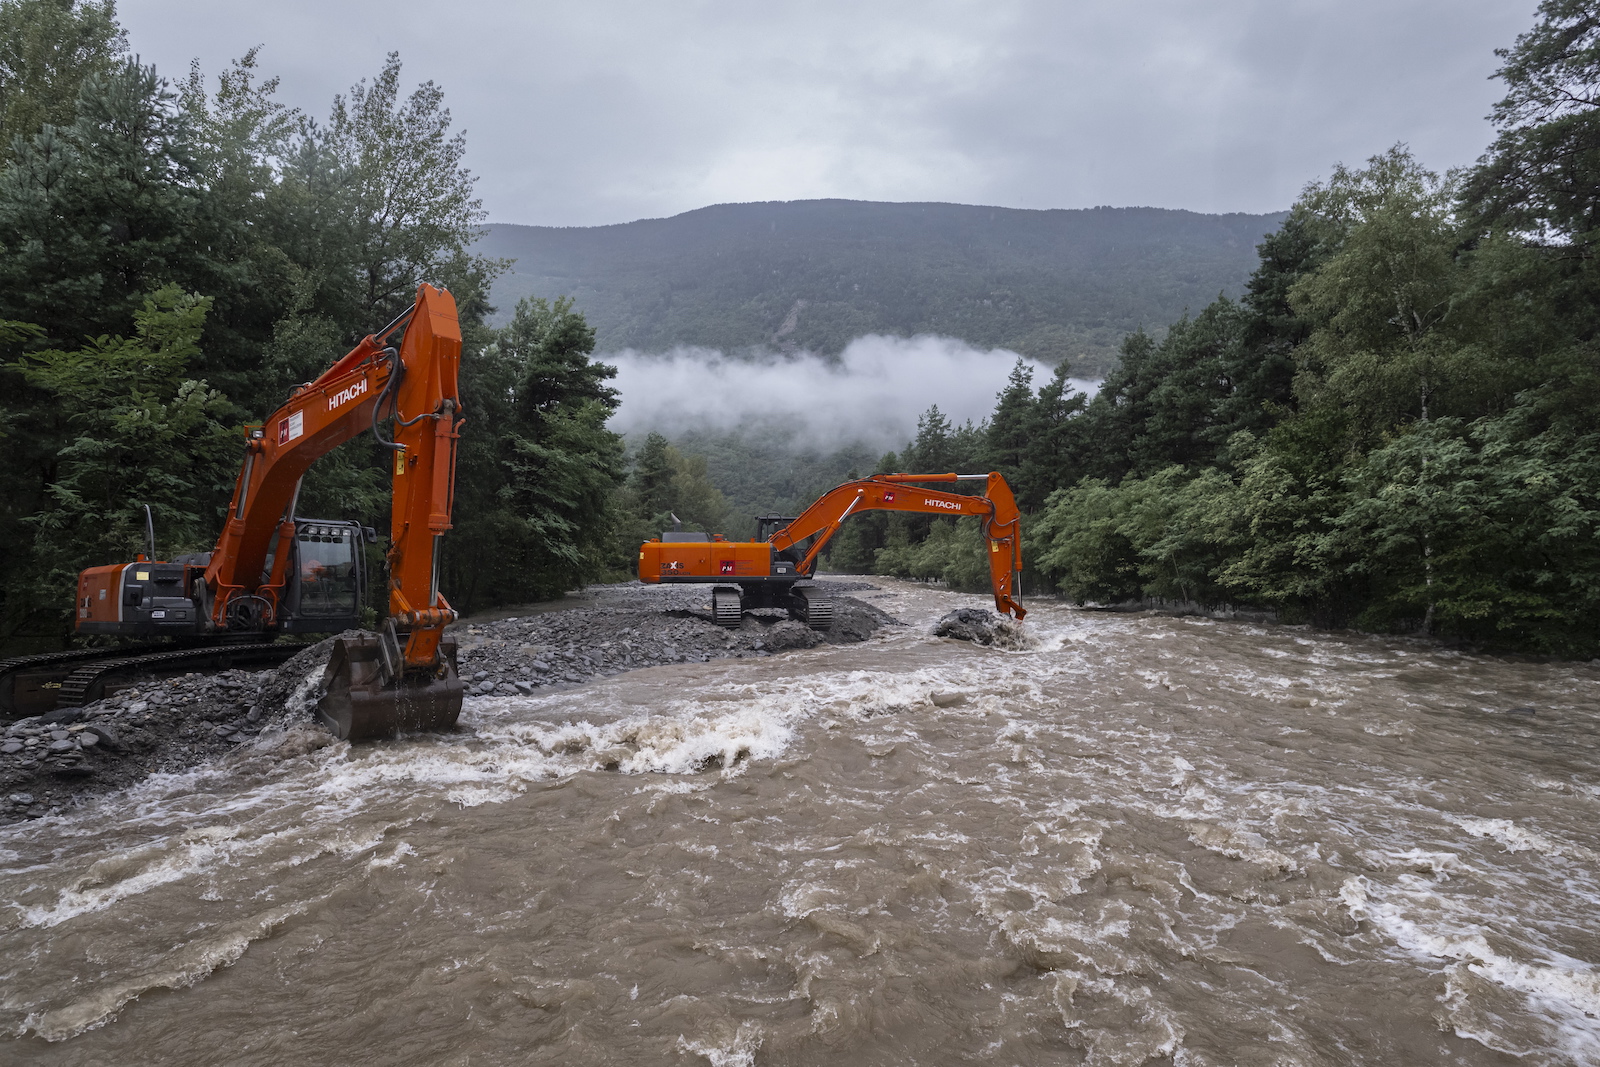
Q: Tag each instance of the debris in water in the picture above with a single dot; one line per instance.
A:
(983, 627)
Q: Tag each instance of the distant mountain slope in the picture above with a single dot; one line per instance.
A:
(814, 274)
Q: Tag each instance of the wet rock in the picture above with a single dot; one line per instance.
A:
(62, 716)
(63, 746)
(22, 800)
(11, 748)
(88, 739)
(968, 624)
(106, 734)
(948, 700)
(982, 627)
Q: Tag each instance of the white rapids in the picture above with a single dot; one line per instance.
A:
(1134, 839)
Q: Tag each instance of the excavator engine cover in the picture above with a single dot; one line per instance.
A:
(367, 695)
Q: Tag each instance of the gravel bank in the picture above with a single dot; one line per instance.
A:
(58, 760)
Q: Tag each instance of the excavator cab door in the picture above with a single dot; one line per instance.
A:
(327, 586)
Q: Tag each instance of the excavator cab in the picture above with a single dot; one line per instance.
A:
(328, 580)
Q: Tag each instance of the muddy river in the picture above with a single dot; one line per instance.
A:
(1144, 840)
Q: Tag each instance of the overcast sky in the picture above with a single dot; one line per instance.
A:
(598, 112)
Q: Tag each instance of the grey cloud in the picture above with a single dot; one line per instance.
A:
(603, 112)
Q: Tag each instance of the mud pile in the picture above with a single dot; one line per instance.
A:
(167, 725)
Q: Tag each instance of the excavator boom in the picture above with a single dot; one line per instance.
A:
(271, 572)
(767, 570)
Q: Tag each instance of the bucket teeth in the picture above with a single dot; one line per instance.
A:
(363, 699)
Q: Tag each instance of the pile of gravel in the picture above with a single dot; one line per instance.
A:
(164, 725)
(49, 762)
(632, 626)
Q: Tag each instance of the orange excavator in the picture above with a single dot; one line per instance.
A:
(768, 573)
(273, 572)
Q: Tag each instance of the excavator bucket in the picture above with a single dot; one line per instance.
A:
(368, 694)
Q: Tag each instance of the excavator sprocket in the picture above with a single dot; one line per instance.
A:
(368, 695)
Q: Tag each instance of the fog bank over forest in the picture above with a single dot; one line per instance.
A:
(872, 393)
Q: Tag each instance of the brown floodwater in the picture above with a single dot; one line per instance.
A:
(1142, 840)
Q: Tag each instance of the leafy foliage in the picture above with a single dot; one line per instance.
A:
(140, 432)
(536, 484)
(173, 260)
(47, 49)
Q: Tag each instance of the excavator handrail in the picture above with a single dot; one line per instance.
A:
(996, 509)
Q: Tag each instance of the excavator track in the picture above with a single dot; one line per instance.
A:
(813, 607)
(29, 684)
(727, 606)
(87, 684)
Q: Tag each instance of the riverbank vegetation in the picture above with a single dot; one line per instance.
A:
(1396, 428)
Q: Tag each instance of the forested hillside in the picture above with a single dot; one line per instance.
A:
(814, 274)
(1396, 428)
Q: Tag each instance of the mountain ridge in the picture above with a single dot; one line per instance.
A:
(1054, 284)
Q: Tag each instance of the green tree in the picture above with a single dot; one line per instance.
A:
(143, 432)
(536, 502)
(382, 199)
(1382, 303)
(1014, 425)
(651, 481)
(1541, 177)
(95, 215)
(47, 49)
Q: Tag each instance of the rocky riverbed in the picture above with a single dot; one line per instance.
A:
(55, 761)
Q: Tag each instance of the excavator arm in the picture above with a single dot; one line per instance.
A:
(996, 510)
(374, 685)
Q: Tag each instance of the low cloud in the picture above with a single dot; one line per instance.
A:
(873, 393)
